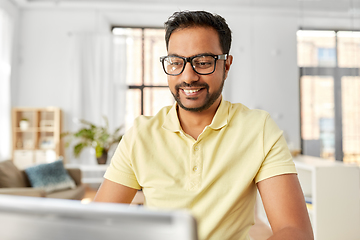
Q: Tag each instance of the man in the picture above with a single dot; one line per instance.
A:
(204, 153)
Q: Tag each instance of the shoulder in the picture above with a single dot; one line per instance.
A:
(256, 120)
(158, 119)
(145, 127)
(147, 124)
(240, 113)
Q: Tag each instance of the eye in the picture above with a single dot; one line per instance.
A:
(203, 62)
(174, 61)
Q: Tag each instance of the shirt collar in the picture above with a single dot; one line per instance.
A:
(171, 121)
(220, 119)
(221, 116)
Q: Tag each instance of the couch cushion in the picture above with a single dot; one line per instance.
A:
(75, 194)
(11, 176)
(50, 176)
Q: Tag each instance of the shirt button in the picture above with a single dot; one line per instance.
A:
(195, 169)
(196, 148)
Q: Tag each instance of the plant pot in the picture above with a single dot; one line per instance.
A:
(103, 158)
(24, 125)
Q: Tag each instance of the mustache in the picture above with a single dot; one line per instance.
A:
(195, 84)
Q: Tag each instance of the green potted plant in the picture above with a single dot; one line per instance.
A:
(94, 136)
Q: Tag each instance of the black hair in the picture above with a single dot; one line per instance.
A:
(184, 19)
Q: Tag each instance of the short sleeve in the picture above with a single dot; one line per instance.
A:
(121, 168)
(277, 157)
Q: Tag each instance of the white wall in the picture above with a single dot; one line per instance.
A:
(264, 72)
(9, 7)
(45, 58)
(8, 22)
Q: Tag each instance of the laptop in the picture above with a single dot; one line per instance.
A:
(33, 218)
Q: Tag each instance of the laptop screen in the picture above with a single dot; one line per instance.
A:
(33, 218)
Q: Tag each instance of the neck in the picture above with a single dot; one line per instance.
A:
(193, 123)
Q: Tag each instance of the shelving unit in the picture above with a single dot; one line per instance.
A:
(334, 190)
(38, 140)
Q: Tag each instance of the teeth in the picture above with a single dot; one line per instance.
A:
(190, 91)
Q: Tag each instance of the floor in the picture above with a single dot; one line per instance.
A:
(260, 231)
(89, 195)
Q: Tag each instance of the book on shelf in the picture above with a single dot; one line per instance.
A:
(308, 201)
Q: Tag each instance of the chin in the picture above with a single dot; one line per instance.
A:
(194, 108)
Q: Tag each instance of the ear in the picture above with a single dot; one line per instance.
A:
(228, 65)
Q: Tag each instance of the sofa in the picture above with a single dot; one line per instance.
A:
(14, 181)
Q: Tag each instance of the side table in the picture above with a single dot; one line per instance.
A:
(91, 174)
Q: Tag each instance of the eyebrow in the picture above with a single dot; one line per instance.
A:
(196, 55)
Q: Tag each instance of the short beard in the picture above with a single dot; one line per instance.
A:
(210, 98)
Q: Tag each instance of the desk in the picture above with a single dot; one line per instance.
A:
(91, 174)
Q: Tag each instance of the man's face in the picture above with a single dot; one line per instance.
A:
(192, 91)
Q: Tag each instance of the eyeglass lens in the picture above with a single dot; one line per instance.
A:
(202, 64)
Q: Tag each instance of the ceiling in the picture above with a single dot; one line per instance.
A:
(352, 6)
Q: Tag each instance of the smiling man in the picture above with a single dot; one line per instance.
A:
(206, 154)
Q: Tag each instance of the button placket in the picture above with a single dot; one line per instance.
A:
(195, 167)
(196, 160)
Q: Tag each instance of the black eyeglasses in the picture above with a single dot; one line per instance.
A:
(203, 64)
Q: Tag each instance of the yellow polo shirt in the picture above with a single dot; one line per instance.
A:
(214, 176)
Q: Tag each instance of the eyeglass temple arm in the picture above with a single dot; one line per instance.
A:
(222, 57)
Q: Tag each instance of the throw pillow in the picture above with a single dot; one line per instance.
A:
(11, 176)
(50, 176)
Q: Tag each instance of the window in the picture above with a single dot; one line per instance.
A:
(147, 83)
(329, 63)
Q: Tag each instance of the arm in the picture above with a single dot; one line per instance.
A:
(285, 207)
(114, 192)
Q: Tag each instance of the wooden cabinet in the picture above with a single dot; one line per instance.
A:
(36, 135)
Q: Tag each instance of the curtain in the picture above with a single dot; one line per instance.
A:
(6, 33)
(99, 82)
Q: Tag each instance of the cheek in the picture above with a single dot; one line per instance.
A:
(171, 82)
(219, 73)
(216, 80)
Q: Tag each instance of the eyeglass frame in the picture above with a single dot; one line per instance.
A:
(189, 60)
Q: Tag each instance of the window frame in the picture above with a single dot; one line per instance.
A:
(142, 86)
(337, 73)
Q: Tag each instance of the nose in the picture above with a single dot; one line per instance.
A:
(189, 75)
